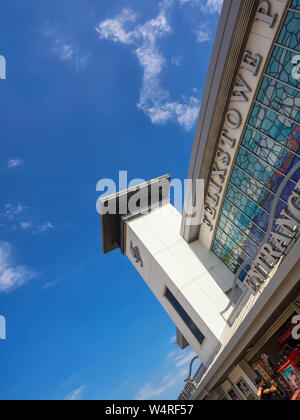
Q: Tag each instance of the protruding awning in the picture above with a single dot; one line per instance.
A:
(114, 208)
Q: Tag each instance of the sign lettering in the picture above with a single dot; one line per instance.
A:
(270, 253)
(250, 65)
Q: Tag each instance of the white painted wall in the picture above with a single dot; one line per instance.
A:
(168, 261)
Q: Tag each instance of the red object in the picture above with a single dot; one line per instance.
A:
(292, 360)
(296, 396)
(285, 338)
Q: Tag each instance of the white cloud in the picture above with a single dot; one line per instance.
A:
(172, 354)
(45, 227)
(115, 28)
(76, 394)
(183, 359)
(185, 114)
(14, 163)
(214, 6)
(12, 276)
(208, 6)
(12, 212)
(203, 34)
(180, 361)
(69, 52)
(65, 50)
(154, 101)
(148, 391)
(25, 226)
(18, 216)
(176, 61)
(51, 284)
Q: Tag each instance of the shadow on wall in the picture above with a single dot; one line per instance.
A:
(217, 269)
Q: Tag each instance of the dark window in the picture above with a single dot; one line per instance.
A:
(185, 317)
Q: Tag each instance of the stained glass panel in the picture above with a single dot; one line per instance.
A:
(243, 222)
(259, 169)
(276, 126)
(239, 238)
(225, 257)
(280, 98)
(271, 152)
(281, 66)
(230, 246)
(295, 5)
(248, 207)
(290, 34)
(252, 188)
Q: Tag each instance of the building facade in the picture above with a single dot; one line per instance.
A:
(230, 279)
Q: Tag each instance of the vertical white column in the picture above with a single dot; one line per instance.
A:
(165, 260)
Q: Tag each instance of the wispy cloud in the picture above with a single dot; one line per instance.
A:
(12, 276)
(76, 394)
(148, 391)
(213, 6)
(208, 6)
(19, 215)
(176, 61)
(25, 226)
(51, 284)
(179, 367)
(183, 359)
(70, 53)
(12, 212)
(203, 34)
(143, 38)
(45, 227)
(14, 163)
(65, 50)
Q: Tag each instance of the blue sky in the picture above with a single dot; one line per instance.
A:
(93, 87)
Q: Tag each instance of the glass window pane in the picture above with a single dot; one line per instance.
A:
(244, 223)
(184, 316)
(290, 33)
(239, 238)
(260, 170)
(225, 257)
(230, 246)
(295, 5)
(281, 66)
(251, 188)
(281, 98)
(288, 190)
(276, 126)
(246, 206)
(243, 275)
(270, 151)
